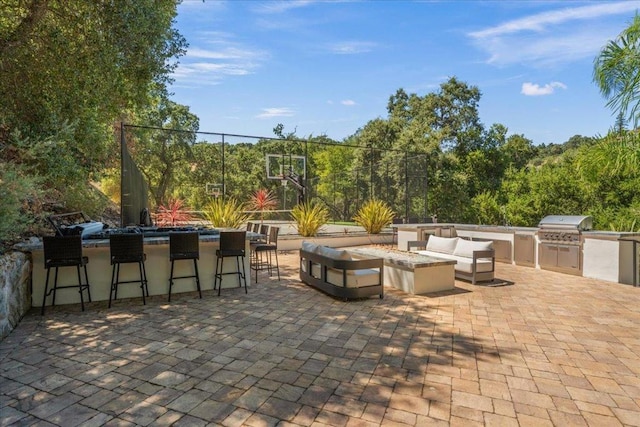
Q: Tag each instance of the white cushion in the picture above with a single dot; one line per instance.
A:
(309, 246)
(444, 245)
(465, 264)
(315, 270)
(339, 254)
(355, 278)
(465, 248)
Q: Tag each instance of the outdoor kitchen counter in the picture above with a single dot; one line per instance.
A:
(611, 256)
(157, 266)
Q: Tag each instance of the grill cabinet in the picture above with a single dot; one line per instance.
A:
(560, 247)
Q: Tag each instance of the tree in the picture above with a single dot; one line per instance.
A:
(160, 153)
(518, 151)
(70, 69)
(617, 72)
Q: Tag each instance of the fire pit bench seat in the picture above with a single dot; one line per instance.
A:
(475, 261)
(336, 273)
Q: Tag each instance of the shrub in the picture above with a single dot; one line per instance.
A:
(174, 213)
(225, 213)
(17, 210)
(309, 218)
(374, 215)
(262, 200)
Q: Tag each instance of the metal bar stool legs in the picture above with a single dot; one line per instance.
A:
(64, 251)
(127, 249)
(184, 246)
(232, 245)
(262, 254)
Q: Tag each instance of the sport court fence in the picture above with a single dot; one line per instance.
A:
(202, 165)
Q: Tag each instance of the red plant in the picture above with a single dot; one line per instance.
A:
(263, 200)
(174, 213)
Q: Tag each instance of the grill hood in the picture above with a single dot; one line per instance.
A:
(567, 222)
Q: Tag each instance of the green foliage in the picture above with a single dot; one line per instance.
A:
(82, 197)
(374, 215)
(486, 210)
(160, 154)
(19, 195)
(110, 185)
(616, 71)
(70, 69)
(84, 61)
(225, 213)
(309, 218)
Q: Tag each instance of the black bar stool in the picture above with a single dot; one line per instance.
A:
(64, 251)
(262, 259)
(184, 246)
(232, 244)
(127, 249)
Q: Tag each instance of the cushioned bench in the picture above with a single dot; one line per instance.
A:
(475, 261)
(336, 273)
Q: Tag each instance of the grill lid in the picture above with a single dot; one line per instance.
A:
(573, 222)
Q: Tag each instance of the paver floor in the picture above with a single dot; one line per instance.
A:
(542, 349)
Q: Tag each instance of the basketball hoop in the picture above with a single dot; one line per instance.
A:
(214, 190)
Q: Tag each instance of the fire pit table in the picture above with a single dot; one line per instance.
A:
(413, 273)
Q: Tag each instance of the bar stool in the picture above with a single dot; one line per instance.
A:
(127, 249)
(232, 244)
(184, 246)
(64, 251)
(260, 249)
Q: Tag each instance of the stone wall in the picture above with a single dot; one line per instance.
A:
(15, 290)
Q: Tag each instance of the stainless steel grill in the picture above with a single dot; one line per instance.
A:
(566, 222)
(560, 239)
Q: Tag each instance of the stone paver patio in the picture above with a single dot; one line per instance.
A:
(542, 349)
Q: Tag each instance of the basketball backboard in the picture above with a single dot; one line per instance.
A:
(279, 165)
(214, 190)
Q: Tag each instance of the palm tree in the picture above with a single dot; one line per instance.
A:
(617, 72)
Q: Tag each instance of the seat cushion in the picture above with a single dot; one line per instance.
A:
(444, 245)
(464, 264)
(465, 248)
(355, 278)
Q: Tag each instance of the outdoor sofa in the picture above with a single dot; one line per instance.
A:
(336, 273)
(475, 260)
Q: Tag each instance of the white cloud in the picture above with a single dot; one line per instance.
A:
(541, 21)
(222, 57)
(282, 6)
(533, 89)
(351, 47)
(554, 37)
(348, 102)
(268, 113)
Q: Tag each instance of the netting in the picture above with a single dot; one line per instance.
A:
(340, 176)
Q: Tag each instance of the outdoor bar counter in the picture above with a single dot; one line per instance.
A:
(158, 267)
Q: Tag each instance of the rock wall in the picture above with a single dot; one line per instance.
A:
(15, 290)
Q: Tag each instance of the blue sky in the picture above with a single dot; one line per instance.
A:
(329, 67)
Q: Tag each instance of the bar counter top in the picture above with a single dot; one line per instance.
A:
(157, 265)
